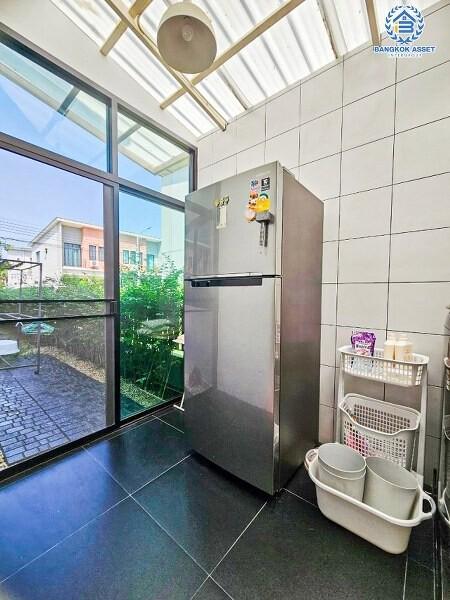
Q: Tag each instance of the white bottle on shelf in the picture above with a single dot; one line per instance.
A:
(403, 348)
(389, 346)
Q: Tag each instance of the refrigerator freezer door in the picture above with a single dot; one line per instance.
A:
(219, 238)
(231, 396)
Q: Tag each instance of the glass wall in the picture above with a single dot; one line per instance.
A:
(151, 303)
(63, 256)
(41, 108)
(54, 318)
(149, 159)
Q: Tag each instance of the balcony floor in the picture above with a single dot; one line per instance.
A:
(138, 516)
(40, 412)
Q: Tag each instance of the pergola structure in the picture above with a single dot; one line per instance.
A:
(291, 38)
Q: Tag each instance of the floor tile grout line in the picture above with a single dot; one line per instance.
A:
(221, 587)
(170, 535)
(106, 470)
(170, 425)
(65, 538)
(199, 588)
(160, 475)
(238, 538)
(404, 578)
(300, 497)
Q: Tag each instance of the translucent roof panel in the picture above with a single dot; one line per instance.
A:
(298, 44)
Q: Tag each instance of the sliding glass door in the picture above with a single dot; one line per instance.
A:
(56, 321)
(151, 257)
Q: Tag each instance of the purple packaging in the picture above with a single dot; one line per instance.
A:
(363, 342)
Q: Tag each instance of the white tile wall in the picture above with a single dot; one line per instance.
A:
(364, 260)
(421, 256)
(364, 213)
(422, 151)
(435, 34)
(283, 148)
(283, 113)
(366, 73)
(422, 204)
(329, 294)
(362, 305)
(321, 137)
(423, 98)
(367, 167)
(369, 119)
(322, 177)
(419, 307)
(252, 157)
(331, 220)
(321, 94)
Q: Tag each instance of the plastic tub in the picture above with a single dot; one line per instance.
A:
(390, 488)
(8, 347)
(388, 533)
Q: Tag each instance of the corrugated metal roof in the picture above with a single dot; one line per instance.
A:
(296, 46)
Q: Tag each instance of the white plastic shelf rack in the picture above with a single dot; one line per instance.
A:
(409, 374)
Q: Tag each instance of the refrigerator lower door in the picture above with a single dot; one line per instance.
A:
(231, 395)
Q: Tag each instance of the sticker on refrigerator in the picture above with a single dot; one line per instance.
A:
(262, 203)
(221, 212)
(265, 184)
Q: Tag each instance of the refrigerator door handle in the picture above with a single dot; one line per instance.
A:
(228, 280)
(227, 276)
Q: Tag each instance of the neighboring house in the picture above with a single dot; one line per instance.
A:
(66, 247)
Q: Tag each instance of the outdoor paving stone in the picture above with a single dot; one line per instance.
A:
(56, 406)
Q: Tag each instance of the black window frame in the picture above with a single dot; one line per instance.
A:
(112, 184)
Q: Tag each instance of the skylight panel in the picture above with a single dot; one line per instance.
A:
(352, 16)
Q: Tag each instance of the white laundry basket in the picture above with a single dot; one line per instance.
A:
(377, 428)
(386, 532)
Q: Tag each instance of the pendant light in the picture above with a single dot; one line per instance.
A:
(186, 38)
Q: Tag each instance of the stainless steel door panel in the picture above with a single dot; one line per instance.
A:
(230, 377)
(236, 247)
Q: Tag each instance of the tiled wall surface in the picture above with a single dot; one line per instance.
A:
(370, 136)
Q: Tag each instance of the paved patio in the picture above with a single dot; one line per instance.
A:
(40, 412)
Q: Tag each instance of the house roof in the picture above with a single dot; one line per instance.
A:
(81, 224)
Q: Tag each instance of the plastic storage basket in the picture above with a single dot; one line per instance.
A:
(378, 428)
(378, 368)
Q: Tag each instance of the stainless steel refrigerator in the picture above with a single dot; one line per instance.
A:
(253, 266)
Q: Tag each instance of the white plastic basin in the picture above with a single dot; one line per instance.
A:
(8, 347)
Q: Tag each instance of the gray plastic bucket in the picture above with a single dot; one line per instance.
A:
(390, 488)
(341, 460)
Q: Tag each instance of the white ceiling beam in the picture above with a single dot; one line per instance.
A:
(136, 9)
(332, 25)
(244, 41)
(133, 23)
(372, 16)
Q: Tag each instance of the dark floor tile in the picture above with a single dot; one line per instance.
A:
(302, 485)
(292, 551)
(419, 582)
(121, 555)
(202, 507)
(174, 417)
(40, 509)
(211, 591)
(138, 455)
(421, 545)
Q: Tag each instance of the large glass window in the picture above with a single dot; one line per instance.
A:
(147, 158)
(151, 304)
(41, 108)
(53, 369)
